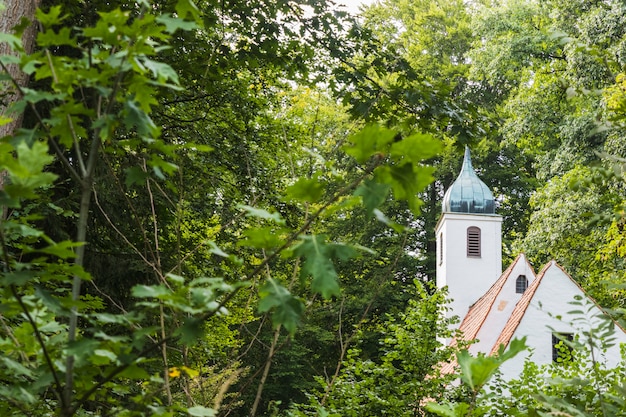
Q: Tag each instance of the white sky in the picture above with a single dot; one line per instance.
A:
(353, 5)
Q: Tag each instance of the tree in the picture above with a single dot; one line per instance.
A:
(403, 378)
(98, 82)
(14, 14)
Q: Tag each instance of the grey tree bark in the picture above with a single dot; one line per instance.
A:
(14, 11)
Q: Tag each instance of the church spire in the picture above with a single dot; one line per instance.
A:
(468, 194)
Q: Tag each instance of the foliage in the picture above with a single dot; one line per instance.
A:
(403, 378)
(97, 85)
(560, 224)
(193, 225)
(586, 381)
(475, 373)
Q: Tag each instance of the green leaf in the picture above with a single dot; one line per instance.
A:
(262, 238)
(476, 371)
(161, 71)
(306, 190)
(4, 120)
(33, 158)
(318, 263)
(135, 372)
(191, 330)
(108, 318)
(15, 368)
(407, 181)
(381, 217)
(216, 250)
(416, 148)
(176, 279)
(82, 349)
(515, 347)
(371, 140)
(188, 9)
(286, 309)
(262, 214)
(373, 194)
(35, 96)
(50, 301)
(150, 291)
(172, 24)
(51, 38)
(13, 41)
(109, 26)
(19, 29)
(448, 409)
(53, 17)
(135, 175)
(53, 327)
(17, 277)
(199, 411)
(106, 354)
(135, 117)
(63, 250)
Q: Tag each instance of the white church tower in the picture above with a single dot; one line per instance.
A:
(469, 241)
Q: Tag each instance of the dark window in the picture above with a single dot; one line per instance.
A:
(561, 349)
(473, 242)
(521, 284)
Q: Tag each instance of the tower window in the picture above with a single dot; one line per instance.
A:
(521, 284)
(473, 242)
(561, 349)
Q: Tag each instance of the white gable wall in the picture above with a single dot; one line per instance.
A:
(550, 301)
(502, 308)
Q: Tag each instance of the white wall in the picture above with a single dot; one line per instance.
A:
(551, 302)
(467, 278)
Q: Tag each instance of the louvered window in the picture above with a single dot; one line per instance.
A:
(473, 242)
(521, 284)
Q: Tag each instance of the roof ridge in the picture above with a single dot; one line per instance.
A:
(520, 309)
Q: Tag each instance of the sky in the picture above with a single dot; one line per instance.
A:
(353, 5)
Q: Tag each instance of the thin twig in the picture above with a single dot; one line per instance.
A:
(344, 345)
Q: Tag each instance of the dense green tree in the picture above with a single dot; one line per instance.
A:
(549, 69)
(402, 378)
(211, 155)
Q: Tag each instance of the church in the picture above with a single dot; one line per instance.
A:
(495, 307)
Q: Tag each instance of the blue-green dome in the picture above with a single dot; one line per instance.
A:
(468, 194)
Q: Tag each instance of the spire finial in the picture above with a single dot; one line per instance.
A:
(467, 160)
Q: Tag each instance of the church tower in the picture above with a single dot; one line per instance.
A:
(469, 241)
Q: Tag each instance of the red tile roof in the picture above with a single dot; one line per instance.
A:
(478, 312)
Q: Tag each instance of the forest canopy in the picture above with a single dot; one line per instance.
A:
(227, 208)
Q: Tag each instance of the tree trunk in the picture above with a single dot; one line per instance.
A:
(13, 13)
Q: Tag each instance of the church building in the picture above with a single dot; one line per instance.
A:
(495, 307)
